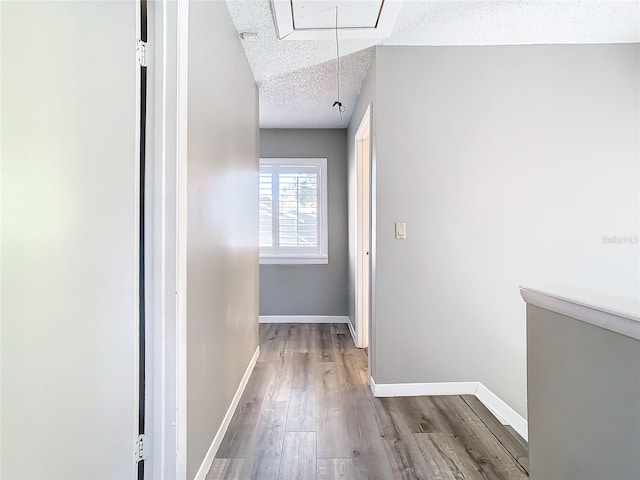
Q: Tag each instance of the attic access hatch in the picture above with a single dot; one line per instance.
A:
(316, 19)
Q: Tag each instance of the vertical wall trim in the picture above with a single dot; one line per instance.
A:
(363, 295)
(164, 21)
(373, 225)
(160, 421)
(0, 230)
(137, 302)
(181, 222)
(142, 215)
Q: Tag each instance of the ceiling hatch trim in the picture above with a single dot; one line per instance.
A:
(315, 19)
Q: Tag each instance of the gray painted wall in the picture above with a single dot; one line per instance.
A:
(311, 289)
(69, 254)
(584, 386)
(222, 233)
(509, 165)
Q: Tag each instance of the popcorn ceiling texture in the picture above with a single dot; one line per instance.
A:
(510, 22)
(304, 98)
(297, 79)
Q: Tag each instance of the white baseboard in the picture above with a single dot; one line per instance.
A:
(217, 440)
(353, 333)
(503, 412)
(303, 319)
(420, 389)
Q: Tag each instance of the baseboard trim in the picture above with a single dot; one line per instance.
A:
(502, 411)
(420, 389)
(353, 333)
(498, 407)
(303, 319)
(217, 440)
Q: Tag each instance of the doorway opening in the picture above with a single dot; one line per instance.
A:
(363, 231)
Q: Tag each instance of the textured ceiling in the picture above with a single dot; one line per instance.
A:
(297, 79)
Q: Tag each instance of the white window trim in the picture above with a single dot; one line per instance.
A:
(297, 258)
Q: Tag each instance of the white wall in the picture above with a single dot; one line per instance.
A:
(69, 271)
(222, 222)
(509, 165)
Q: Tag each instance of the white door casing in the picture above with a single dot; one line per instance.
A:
(363, 229)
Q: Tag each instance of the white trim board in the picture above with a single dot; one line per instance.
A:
(503, 412)
(619, 315)
(303, 319)
(353, 333)
(217, 440)
(181, 212)
(420, 389)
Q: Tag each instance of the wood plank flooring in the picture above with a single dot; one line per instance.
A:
(307, 413)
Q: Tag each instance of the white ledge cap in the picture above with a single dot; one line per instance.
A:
(620, 315)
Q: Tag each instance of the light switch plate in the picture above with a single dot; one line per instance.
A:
(401, 231)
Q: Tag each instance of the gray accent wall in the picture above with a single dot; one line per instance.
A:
(222, 218)
(311, 289)
(510, 165)
(584, 412)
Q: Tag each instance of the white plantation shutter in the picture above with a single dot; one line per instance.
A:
(298, 208)
(266, 206)
(297, 231)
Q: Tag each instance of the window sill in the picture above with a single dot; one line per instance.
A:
(284, 260)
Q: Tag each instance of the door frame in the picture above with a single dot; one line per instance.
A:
(363, 143)
(145, 281)
(169, 22)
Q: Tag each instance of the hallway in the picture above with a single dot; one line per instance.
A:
(308, 413)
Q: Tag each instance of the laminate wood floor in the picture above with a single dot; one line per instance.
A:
(307, 413)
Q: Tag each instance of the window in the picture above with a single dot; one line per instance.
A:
(293, 210)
